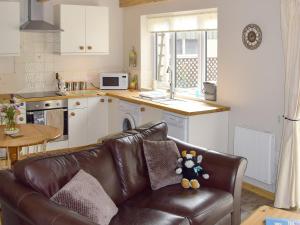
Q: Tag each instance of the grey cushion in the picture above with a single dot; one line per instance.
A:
(85, 195)
(161, 158)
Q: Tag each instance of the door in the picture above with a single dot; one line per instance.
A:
(72, 21)
(10, 28)
(97, 119)
(114, 119)
(78, 120)
(150, 114)
(97, 29)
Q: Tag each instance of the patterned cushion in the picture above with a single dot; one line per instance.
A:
(161, 158)
(85, 195)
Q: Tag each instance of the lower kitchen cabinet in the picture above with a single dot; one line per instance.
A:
(114, 120)
(150, 114)
(78, 127)
(206, 130)
(97, 126)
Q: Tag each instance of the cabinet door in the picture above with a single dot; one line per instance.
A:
(114, 121)
(10, 28)
(97, 119)
(97, 29)
(150, 114)
(72, 21)
(209, 131)
(78, 120)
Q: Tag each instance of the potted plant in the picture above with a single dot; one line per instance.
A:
(9, 112)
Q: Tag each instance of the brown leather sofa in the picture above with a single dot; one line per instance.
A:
(120, 167)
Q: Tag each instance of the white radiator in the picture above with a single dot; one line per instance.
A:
(257, 147)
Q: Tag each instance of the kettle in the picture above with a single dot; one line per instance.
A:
(210, 91)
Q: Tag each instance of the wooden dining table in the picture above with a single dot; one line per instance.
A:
(29, 135)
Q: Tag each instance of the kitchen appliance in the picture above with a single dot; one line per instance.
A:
(36, 114)
(210, 91)
(113, 81)
(177, 126)
(60, 85)
(38, 25)
(38, 94)
(130, 115)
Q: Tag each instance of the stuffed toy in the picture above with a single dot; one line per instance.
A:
(189, 167)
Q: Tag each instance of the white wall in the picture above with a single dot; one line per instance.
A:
(251, 82)
(34, 70)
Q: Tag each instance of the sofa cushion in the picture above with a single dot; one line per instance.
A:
(85, 195)
(197, 205)
(161, 158)
(48, 173)
(129, 157)
(144, 216)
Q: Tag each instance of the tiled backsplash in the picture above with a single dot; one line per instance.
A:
(35, 68)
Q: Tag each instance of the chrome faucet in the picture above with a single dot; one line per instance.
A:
(171, 81)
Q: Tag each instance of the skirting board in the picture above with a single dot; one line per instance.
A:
(259, 191)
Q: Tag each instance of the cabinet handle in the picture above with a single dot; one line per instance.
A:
(101, 100)
(90, 47)
(109, 100)
(81, 47)
(77, 103)
(143, 109)
(21, 119)
(72, 114)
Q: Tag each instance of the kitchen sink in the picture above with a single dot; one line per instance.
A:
(171, 102)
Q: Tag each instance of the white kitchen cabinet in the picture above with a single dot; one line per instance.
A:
(72, 21)
(86, 29)
(97, 29)
(78, 126)
(207, 130)
(97, 119)
(10, 28)
(114, 118)
(150, 114)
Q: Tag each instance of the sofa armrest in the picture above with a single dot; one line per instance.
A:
(33, 208)
(226, 173)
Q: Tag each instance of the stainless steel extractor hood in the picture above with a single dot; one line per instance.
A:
(38, 25)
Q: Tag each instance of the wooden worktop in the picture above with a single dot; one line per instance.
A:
(195, 107)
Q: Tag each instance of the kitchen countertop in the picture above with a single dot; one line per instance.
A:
(189, 108)
(5, 97)
(194, 107)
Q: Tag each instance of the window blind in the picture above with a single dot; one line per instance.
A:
(183, 22)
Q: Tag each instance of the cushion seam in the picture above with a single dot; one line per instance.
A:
(23, 197)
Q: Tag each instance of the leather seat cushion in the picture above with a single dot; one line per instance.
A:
(197, 205)
(144, 216)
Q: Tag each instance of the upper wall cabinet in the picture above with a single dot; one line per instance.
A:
(10, 28)
(86, 29)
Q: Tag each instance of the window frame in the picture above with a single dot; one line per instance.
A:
(202, 52)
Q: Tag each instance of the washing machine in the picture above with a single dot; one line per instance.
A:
(130, 115)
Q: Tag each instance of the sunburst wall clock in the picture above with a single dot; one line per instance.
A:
(252, 36)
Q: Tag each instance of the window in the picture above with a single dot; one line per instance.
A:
(188, 58)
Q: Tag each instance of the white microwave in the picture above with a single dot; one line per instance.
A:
(113, 81)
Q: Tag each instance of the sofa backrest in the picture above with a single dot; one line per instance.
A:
(49, 173)
(118, 164)
(128, 154)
